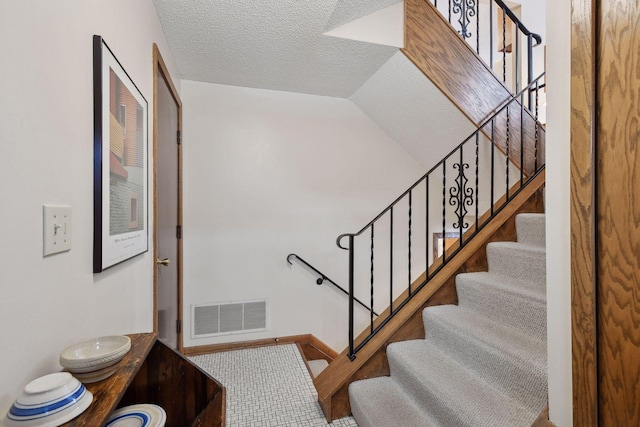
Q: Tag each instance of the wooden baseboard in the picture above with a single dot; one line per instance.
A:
(543, 419)
(311, 347)
(315, 349)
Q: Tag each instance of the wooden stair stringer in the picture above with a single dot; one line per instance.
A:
(441, 54)
(332, 384)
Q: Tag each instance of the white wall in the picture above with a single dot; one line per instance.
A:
(269, 173)
(558, 212)
(46, 132)
(412, 110)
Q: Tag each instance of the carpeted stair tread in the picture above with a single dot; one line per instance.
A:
(483, 361)
(509, 301)
(530, 229)
(511, 360)
(517, 260)
(380, 402)
(317, 366)
(449, 391)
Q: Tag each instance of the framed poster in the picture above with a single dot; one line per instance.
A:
(120, 159)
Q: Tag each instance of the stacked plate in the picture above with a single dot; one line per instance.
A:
(96, 359)
(144, 415)
(49, 401)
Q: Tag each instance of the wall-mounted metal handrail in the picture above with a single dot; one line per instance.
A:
(322, 278)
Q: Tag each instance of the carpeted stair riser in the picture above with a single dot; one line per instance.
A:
(517, 260)
(380, 402)
(512, 361)
(507, 301)
(448, 391)
(530, 229)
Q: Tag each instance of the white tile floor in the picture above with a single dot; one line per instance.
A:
(267, 387)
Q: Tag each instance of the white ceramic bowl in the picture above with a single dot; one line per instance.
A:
(95, 359)
(143, 415)
(49, 401)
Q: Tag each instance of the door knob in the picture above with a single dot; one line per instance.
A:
(164, 262)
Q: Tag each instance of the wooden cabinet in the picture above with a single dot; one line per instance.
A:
(153, 373)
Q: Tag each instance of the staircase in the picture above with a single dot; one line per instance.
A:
(483, 361)
(458, 337)
(436, 47)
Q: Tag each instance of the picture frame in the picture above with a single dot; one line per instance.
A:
(120, 158)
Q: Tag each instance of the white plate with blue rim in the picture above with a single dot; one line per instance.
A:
(142, 415)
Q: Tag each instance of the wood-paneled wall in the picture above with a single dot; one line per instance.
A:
(583, 260)
(605, 228)
(618, 207)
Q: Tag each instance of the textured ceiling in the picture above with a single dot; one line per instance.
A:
(271, 44)
(279, 45)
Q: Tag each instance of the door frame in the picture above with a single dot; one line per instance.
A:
(160, 71)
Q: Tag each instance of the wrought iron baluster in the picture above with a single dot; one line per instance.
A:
(521, 139)
(517, 60)
(478, 28)
(530, 65)
(371, 318)
(477, 173)
(493, 161)
(491, 34)
(461, 180)
(536, 133)
(444, 206)
(504, 46)
(409, 272)
(507, 154)
(352, 353)
(426, 237)
(391, 261)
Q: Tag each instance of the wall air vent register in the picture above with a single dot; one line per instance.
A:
(215, 319)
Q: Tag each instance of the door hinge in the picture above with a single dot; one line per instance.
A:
(178, 326)
(178, 232)
(179, 136)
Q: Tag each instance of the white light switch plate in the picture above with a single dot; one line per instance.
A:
(57, 229)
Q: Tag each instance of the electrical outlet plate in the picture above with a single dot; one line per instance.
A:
(56, 229)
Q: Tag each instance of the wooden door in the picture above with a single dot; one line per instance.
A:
(168, 197)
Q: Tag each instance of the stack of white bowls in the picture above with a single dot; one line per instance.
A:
(96, 359)
(54, 399)
(49, 401)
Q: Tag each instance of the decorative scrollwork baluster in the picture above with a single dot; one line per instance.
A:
(461, 196)
(466, 9)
